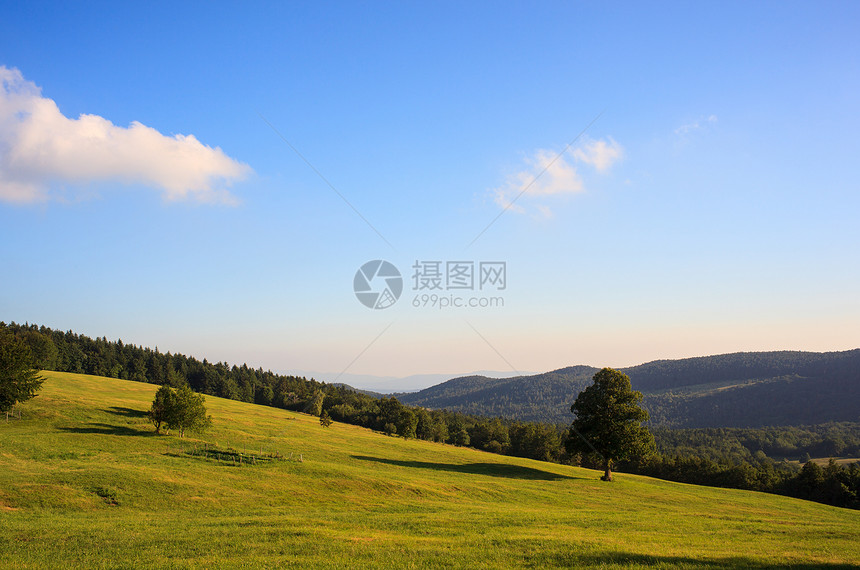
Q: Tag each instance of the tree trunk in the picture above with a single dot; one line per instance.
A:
(608, 475)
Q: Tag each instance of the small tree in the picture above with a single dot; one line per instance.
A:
(162, 406)
(608, 421)
(325, 419)
(189, 413)
(19, 381)
(180, 409)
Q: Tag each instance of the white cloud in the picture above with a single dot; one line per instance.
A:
(39, 146)
(549, 174)
(701, 123)
(599, 154)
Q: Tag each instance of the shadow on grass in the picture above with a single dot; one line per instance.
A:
(491, 469)
(624, 559)
(108, 429)
(126, 412)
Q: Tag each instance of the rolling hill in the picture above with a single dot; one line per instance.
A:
(746, 389)
(85, 483)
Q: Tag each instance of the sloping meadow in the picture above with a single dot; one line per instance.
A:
(86, 483)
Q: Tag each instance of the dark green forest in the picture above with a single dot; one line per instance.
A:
(747, 389)
(764, 459)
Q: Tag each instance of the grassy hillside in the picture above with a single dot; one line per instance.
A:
(85, 483)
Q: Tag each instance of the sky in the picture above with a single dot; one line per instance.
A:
(548, 184)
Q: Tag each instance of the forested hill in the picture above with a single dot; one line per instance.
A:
(541, 396)
(747, 389)
(673, 374)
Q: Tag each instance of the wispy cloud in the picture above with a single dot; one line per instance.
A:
(599, 154)
(547, 174)
(40, 147)
(696, 125)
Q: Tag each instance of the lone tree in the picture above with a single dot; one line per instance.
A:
(325, 419)
(19, 380)
(180, 409)
(609, 421)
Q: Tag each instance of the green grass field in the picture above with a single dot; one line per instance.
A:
(85, 483)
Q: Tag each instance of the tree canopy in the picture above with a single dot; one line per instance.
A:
(609, 420)
(161, 408)
(19, 380)
(180, 409)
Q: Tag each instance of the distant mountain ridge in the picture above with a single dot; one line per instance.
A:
(371, 384)
(742, 389)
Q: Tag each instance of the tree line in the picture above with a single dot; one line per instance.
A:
(833, 484)
(72, 352)
(693, 456)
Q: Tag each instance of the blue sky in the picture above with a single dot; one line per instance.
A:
(148, 190)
